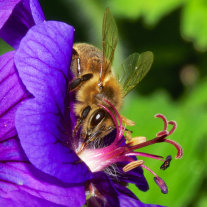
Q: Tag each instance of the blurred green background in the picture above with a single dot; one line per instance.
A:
(176, 32)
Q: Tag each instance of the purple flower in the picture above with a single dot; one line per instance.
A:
(41, 164)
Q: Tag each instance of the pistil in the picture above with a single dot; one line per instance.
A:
(123, 149)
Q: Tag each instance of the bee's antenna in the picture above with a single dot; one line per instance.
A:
(75, 53)
(77, 126)
(100, 84)
(79, 68)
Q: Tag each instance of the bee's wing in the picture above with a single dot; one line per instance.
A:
(109, 41)
(133, 70)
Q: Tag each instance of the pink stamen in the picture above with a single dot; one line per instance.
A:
(161, 184)
(144, 166)
(178, 147)
(162, 133)
(114, 119)
(163, 118)
(157, 180)
(124, 129)
(157, 157)
(119, 150)
(147, 143)
(174, 126)
(118, 116)
(160, 136)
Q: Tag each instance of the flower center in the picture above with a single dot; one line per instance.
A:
(123, 148)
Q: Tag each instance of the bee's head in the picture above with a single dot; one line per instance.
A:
(99, 124)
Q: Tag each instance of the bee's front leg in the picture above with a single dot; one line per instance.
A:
(84, 114)
(76, 82)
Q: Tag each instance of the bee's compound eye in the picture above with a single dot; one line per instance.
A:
(97, 117)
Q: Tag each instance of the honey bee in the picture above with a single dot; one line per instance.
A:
(95, 80)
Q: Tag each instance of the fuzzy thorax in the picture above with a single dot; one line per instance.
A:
(89, 94)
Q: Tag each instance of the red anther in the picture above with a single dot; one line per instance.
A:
(166, 163)
(161, 184)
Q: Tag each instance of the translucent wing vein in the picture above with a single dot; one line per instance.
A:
(109, 41)
(133, 70)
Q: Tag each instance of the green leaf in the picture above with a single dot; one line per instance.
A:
(193, 23)
(202, 202)
(151, 10)
(132, 9)
(154, 10)
(184, 176)
(4, 47)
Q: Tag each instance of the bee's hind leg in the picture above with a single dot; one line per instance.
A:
(126, 121)
(132, 141)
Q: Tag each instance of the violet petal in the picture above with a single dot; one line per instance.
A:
(12, 94)
(43, 61)
(106, 188)
(124, 190)
(6, 8)
(22, 199)
(36, 11)
(126, 201)
(24, 185)
(17, 17)
(127, 198)
(134, 176)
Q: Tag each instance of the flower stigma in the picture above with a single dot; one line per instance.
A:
(122, 149)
